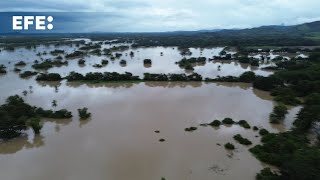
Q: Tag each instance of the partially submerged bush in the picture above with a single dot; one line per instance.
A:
(278, 113)
(147, 61)
(83, 113)
(215, 123)
(104, 62)
(35, 124)
(190, 129)
(227, 121)
(244, 124)
(81, 62)
(60, 114)
(20, 63)
(229, 146)
(49, 77)
(263, 132)
(242, 140)
(27, 74)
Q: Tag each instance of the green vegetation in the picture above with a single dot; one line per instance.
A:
(60, 114)
(20, 63)
(190, 129)
(104, 62)
(17, 70)
(229, 146)
(97, 77)
(244, 124)
(147, 61)
(47, 64)
(278, 113)
(291, 152)
(16, 116)
(123, 62)
(75, 54)
(90, 46)
(247, 77)
(215, 123)
(83, 113)
(227, 121)
(97, 66)
(267, 83)
(266, 174)
(309, 114)
(81, 62)
(2, 69)
(242, 140)
(27, 74)
(263, 132)
(187, 63)
(35, 124)
(57, 52)
(285, 95)
(49, 77)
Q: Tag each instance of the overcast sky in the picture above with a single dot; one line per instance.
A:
(173, 15)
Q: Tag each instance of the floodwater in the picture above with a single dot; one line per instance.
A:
(164, 63)
(119, 143)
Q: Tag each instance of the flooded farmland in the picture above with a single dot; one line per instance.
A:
(119, 141)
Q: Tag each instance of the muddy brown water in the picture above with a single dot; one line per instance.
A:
(118, 142)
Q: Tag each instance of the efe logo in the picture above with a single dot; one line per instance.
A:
(23, 22)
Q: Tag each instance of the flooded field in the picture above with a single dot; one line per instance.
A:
(119, 141)
(161, 63)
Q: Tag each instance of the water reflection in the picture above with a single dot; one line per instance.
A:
(84, 122)
(15, 145)
(53, 84)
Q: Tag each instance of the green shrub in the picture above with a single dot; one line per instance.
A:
(244, 124)
(242, 140)
(278, 113)
(266, 174)
(263, 132)
(227, 121)
(190, 129)
(229, 146)
(215, 123)
(83, 113)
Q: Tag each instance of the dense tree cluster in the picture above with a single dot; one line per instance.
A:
(20, 63)
(172, 77)
(2, 69)
(27, 74)
(49, 77)
(278, 113)
(16, 116)
(98, 76)
(242, 140)
(187, 63)
(47, 64)
(75, 54)
(83, 113)
(291, 153)
(57, 52)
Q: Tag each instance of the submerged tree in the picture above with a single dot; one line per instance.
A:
(83, 113)
(35, 124)
(54, 103)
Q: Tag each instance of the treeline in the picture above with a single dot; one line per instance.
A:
(291, 151)
(114, 76)
(187, 63)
